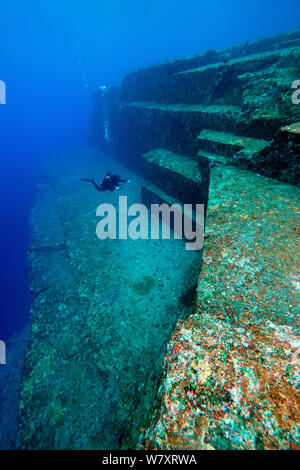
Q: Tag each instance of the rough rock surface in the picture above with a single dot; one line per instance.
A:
(231, 373)
(102, 313)
(154, 82)
(232, 368)
(280, 159)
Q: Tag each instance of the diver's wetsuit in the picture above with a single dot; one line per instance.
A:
(109, 183)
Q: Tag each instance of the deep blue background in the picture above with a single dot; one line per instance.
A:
(54, 53)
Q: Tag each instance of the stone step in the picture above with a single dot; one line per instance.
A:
(289, 44)
(183, 122)
(247, 291)
(195, 116)
(152, 194)
(285, 78)
(206, 110)
(227, 145)
(213, 157)
(248, 64)
(213, 82)
(177, 175)
(156, 82)
(144, 122)
(280, 159)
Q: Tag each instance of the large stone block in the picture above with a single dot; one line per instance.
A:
(177, 175)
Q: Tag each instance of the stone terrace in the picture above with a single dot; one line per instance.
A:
(231, 372)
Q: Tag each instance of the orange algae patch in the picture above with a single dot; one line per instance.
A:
(232, 369)
(245, 396)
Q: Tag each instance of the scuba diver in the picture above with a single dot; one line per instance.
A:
(109, 183)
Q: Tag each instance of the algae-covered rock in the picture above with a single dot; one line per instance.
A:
(228, 388)
(144, 286)
(231, 372)
(102, 313)
(280, 159)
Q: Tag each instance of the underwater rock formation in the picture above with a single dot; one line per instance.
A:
(232, 368)
(169, 105)
(211, 129)
(216, 127)
(102, 313)
(280, 159)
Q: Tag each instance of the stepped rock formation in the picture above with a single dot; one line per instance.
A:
(221, 128)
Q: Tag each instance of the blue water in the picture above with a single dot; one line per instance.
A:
(54, 54)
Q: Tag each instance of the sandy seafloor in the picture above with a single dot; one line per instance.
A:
(131, 290)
